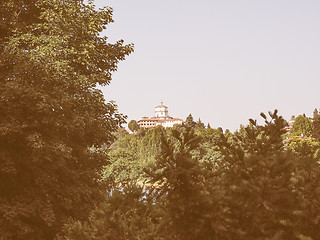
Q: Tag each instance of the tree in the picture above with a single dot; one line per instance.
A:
(150, 144)
(133, 125)
(186, 213)
(200, 124)
(316, 125)
(315, 113)
(304, 147)
(126, 214)
(208, 150)
(249, 185)
(123, 166)
(53, 118)
(129, 155)
(189, 121)
(141, 132)
(267, 186)
(302, 126)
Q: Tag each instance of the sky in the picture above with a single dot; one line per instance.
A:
(222, 61)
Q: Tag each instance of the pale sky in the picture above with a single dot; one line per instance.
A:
(223, 61)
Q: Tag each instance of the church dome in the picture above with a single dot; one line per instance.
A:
(161, 111)
(161, 105)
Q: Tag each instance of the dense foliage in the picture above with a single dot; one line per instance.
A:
(302, 126)
(125, 214)
(63, 177)
(206, 184)
(133, 125)
(53, 118)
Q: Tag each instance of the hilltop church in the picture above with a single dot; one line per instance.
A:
(161, 118)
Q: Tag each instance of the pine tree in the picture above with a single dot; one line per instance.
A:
(179, 176)
(315, 113)
(200, 124)
(189, 121)
(316, 125)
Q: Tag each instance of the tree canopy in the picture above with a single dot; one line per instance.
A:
(189, 121)
(133, 125)
(302, 126)
(53, 118)
(208, 184)
(62, 175)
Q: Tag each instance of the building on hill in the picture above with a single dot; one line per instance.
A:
(161, 118)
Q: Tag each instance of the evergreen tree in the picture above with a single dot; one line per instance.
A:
(316, 125)
(263, 183)
(315, 113)
(200, 124)
(186, 213)
(189, 121)
(149, 146)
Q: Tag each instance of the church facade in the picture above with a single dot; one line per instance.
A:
(161, 118)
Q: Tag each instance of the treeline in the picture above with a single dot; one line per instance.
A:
(192, 182)
(67, 170)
